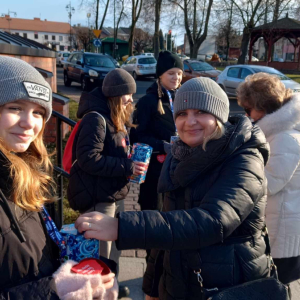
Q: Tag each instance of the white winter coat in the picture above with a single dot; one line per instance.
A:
(282, 130)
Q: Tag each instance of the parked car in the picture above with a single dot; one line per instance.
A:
(88, 69)
(232, 76)
(182, 56)
(116, 63)
(140, 66)
(195, 68)
(148, 54)
(61, 58)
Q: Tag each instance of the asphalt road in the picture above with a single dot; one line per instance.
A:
(74, 91)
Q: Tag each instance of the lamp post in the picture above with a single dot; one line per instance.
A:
(88, 16)
(70, 10)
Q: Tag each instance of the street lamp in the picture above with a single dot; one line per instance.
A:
(88, 16)
(70, 10)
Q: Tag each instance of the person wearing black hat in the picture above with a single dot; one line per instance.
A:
(155, 124)
(99, 177)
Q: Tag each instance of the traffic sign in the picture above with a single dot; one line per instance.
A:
(97, 43)
(97, 33)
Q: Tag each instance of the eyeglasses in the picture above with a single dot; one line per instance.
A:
(248, 111)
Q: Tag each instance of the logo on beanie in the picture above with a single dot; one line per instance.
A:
(185, 100)
(37, 91)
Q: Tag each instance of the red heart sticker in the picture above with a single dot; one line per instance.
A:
(91, 266)
(161, 158)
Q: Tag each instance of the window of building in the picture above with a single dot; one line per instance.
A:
(17, 33)
(53, 37)
(46, 36)
(25, 35)
(61, 48)
(36, 36)
(60, 38)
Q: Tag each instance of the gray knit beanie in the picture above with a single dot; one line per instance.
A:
(19, 80)
(203, 94)
(118, 82)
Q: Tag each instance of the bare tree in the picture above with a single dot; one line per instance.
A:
(82, 35)
(250, 12)
(94, 6)
(136, 11)
(196, 18)
(122, 14)
(142, 40)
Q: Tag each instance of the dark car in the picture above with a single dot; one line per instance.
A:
(195, 68)
(88, 69)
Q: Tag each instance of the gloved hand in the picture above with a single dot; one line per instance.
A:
(75, 286)
(167, 147)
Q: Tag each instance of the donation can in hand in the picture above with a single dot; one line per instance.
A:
(141, 153)
(78, 247)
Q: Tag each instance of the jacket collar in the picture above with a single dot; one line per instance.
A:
(239, 131)
(285, 118)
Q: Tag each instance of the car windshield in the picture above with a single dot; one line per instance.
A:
(272, 72)
(99, 61)
(147, 61)
(197, 66)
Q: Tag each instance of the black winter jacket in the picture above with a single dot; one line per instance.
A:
(25, 268)
(215, 204)
(154, 128)
(102, 169)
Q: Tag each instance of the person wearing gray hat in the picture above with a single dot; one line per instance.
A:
(26, 183)
(211, 229)
(99, 177)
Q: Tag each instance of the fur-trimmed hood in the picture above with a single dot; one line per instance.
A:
(285, 118)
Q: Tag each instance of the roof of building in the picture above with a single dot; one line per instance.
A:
(111, 40)
(37, 25)
(13, 44)
(284, 23)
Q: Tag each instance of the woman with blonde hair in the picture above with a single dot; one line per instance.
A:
(28, 256)
(277, 112)
(99, 177)
(155, 124)
(210, 233)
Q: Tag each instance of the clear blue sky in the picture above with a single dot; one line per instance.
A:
(55, 10)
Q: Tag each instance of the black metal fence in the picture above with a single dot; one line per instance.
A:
(56, 209)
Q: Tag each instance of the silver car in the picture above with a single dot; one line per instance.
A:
(232, 76)
(140, 66)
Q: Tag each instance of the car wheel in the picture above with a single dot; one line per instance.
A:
(135, 76)
(67, 81)
(84, 84)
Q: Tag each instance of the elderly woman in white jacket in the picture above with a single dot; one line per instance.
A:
(277, 111)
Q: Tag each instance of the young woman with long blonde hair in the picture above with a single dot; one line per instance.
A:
(28, 256)
(99, 177)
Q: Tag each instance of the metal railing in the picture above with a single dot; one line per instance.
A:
(56, 209)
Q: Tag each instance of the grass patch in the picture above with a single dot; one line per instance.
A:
(73, 107)
(295, 77)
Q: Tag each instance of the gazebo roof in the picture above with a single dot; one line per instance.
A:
(284, 23)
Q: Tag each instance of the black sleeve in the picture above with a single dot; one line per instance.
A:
(224, 207)
(146, 111)
(35, 290)
(89, 149)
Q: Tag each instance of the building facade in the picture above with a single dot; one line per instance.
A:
(55, 35)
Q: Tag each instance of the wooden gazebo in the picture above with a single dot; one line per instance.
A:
(272, 32)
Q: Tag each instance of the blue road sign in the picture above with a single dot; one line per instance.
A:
(97, 43)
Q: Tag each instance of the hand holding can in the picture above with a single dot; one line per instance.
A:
(141, 154)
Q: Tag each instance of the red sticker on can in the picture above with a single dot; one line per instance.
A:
(91, 266)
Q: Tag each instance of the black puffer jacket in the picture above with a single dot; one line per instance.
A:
(215, 204)
(25, 268)
(102, 169)
(154, 128)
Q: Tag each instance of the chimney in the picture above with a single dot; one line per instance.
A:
(7, 16)
(45, 20)
(36, 19)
